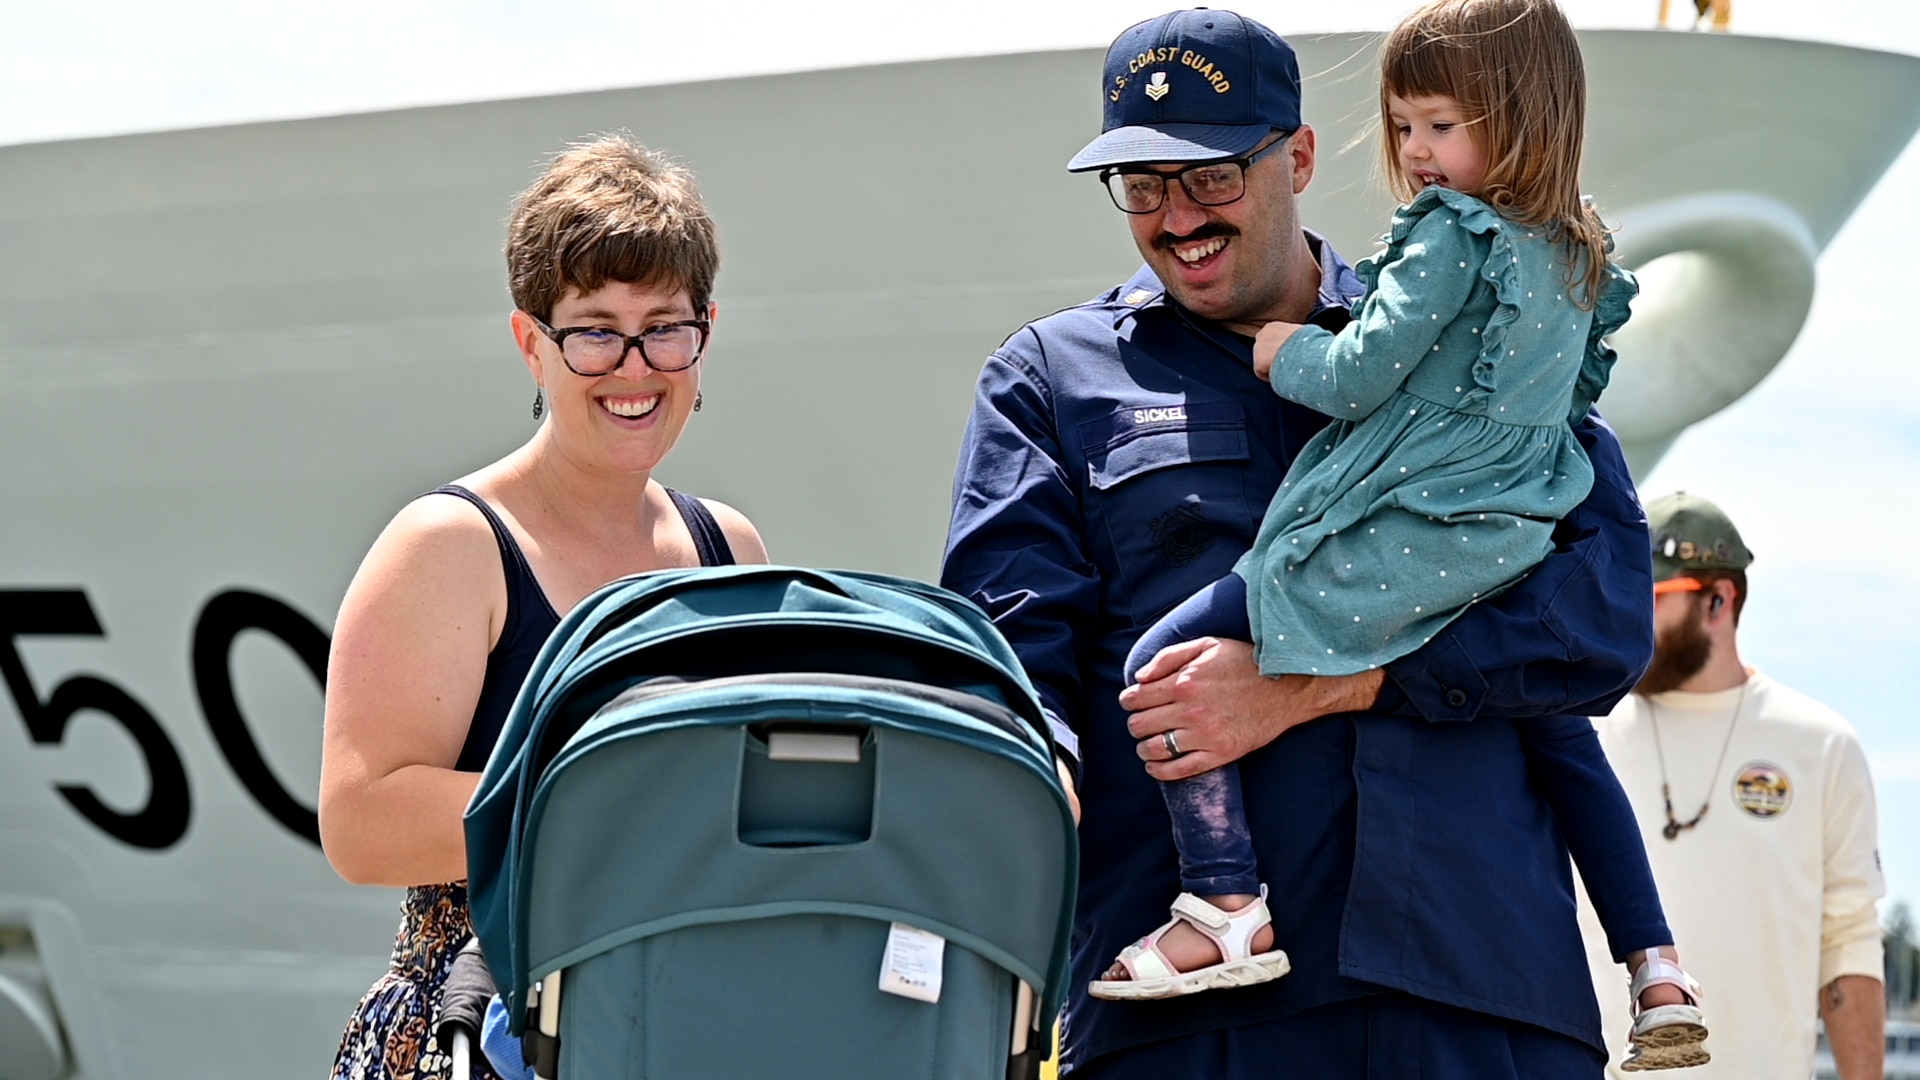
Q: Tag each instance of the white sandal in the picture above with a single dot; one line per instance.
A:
(1665, 1036)
(1152, 976)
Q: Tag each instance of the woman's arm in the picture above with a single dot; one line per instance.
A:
(409, 656)
(741, 536)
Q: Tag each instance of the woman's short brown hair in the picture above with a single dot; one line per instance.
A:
(1515, 69)
(609, 210)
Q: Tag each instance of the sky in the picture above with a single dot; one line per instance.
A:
(1819, 466)
(94, 67)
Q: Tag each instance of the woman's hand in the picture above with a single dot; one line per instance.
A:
(1266, 345)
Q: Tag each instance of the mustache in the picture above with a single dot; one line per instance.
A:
(1207, 231)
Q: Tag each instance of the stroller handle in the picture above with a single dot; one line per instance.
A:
(463, 1006)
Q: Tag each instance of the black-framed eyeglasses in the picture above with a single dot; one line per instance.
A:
(1138, 189)
(598, 350)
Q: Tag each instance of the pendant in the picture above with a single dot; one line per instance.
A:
(1671, 831)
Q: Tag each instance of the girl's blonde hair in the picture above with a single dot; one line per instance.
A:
(1514, 67)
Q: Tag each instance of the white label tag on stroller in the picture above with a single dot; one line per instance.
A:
(827, 746)
(912, 966)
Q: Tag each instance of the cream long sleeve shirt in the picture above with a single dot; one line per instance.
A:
(1773, 895)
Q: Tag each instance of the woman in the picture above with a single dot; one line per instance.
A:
(611, 259)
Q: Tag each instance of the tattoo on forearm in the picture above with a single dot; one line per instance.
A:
(1835, 996)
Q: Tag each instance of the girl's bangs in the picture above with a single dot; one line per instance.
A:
(1422, 70)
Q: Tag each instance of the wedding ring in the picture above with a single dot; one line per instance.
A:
(1166, 740)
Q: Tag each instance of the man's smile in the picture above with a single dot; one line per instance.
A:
(1193, 253)
(1201, 246)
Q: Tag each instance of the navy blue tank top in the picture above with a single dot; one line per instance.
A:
(531, 618)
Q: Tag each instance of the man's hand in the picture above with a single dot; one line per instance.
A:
(1210, 694)
(1066, 784)
(1266, 345)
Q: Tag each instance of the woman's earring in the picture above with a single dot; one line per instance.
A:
(698, 400)
(539, 403)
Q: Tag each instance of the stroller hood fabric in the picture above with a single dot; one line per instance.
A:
(621, 801)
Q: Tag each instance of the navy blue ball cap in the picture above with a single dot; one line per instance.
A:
(1192, 86)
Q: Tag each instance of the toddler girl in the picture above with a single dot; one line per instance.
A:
(1450, 459)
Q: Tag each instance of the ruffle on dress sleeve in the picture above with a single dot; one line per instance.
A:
(1500, 269)
(1610, 313)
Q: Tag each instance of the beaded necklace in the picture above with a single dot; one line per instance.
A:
(1675, 826)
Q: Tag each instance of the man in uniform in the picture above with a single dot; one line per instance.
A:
(1759, 819)
(1117, 458)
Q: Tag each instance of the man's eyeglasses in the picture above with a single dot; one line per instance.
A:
(598, 350)
(1139, 190)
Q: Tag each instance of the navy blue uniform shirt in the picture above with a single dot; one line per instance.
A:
(1118, 457)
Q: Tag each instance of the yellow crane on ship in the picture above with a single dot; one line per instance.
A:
(1721, 11)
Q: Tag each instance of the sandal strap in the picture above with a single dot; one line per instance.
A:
(1206, 918)
(1232, 932)
(1144, 960)
(1658, 970)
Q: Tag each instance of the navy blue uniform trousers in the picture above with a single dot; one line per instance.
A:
(1391, 1036)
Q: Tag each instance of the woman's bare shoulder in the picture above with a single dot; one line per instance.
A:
(435, 527)
(438, 554)
(741, 536)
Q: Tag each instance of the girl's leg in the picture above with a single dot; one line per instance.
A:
(1210, 832)
(1570, 769)
(1209, 820)
(1217, 864)
(1571, 772)
(1219, 610)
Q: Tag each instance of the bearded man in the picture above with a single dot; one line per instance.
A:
(1759, 819)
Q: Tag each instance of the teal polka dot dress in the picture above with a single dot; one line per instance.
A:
(1451, 454)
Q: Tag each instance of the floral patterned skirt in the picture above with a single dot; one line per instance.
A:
(390, 1036)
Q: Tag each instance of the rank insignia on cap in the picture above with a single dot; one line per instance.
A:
(1157, 86)
(1137, 297)
(1762, 790)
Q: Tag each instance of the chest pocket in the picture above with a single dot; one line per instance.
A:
(1167, 486)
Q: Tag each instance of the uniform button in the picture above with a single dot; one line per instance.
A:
(1456, 698)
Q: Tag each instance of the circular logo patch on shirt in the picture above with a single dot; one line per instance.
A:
(1763, 790)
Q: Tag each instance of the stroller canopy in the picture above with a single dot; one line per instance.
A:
(631, 793)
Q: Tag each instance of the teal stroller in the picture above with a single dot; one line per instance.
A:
(768, 822)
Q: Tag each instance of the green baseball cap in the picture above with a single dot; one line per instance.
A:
(1691, 533)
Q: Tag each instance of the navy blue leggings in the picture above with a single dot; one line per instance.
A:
(1209, 819)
